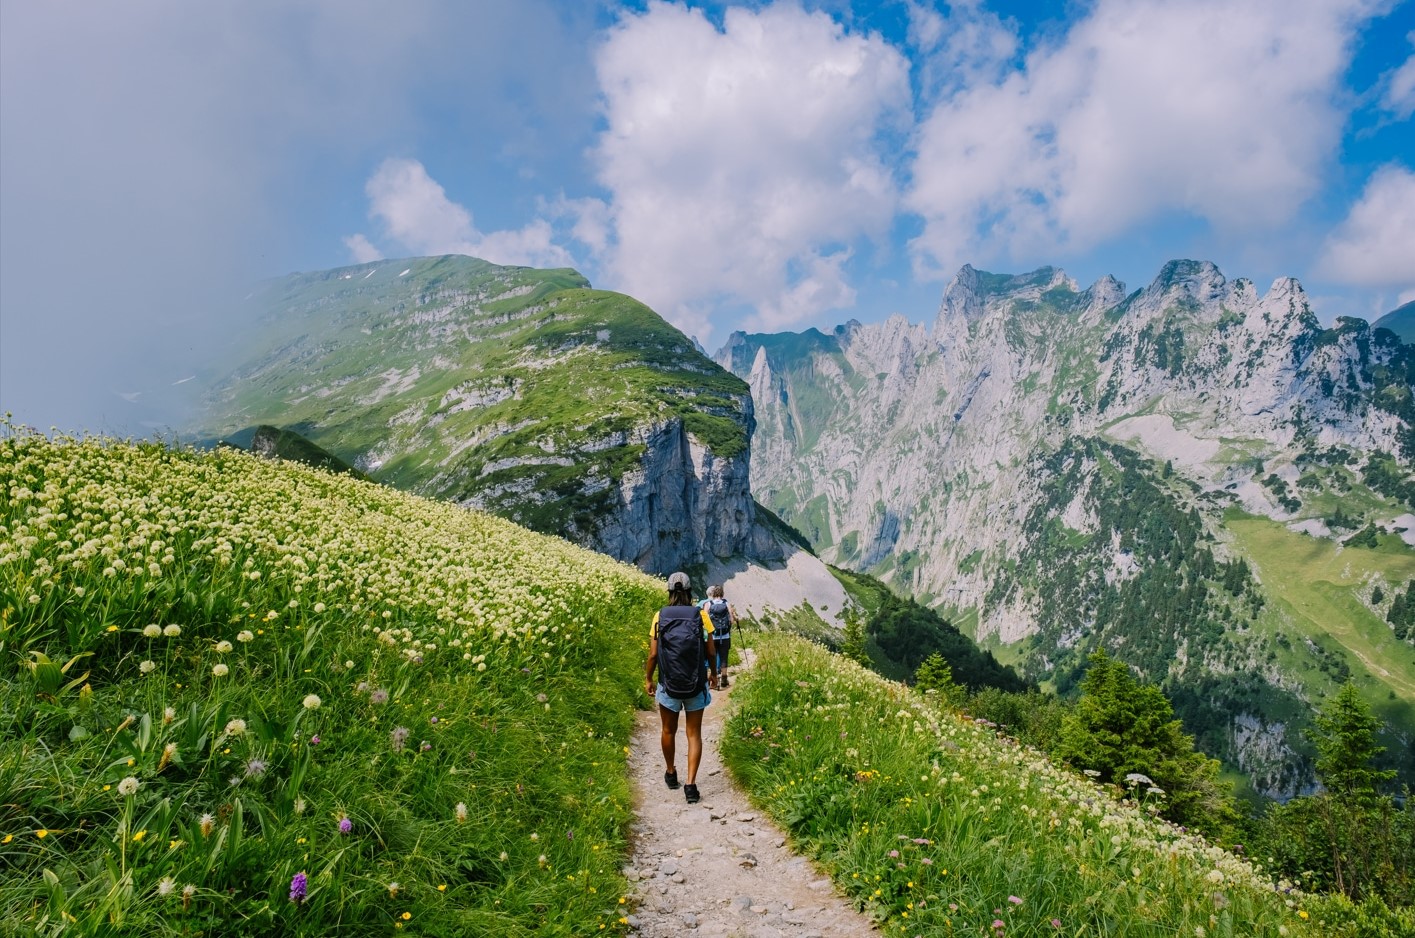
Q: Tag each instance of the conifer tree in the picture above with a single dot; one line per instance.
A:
(1345, 736)
(1121, 727)
(934, 674)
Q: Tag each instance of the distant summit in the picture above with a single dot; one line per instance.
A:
(1401, 321)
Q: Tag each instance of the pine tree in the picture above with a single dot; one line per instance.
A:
(1121, 727)
(1345, 737)
(852, 644)
(934, 674)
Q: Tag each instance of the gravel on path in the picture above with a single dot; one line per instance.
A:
(719, 869)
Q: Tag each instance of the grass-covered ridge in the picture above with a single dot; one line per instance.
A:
(520, 390)
(274, 671)
(936, 826)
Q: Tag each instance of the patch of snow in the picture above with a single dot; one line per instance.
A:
(1158, 434)
(406, 272)
(370, 273)
(184, 380)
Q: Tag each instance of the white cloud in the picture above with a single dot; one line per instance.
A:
(743, 162)
(1400, 93)
(362, 250)
(1375, 245)
(415, 213)
(1145, 108)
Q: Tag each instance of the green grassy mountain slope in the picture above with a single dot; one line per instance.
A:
(521, 391)
(1401, 321)
(275, 443)
(243, 696)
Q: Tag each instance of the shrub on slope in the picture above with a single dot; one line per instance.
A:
(241, 696)
(936, 826)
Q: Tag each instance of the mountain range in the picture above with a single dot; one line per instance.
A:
(1201, 478)
(1197, 476)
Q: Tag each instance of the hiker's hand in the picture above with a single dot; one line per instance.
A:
(648, 686)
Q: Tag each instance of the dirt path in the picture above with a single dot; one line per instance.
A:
(719, 869)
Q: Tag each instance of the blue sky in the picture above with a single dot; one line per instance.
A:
(759, 166)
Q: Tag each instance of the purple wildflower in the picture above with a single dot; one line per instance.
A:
(314, 740)
(433, 720)
(1014, 900)
(425, 746)
(1056, 923)
(894, 854)
(345, 825)
(299, 888)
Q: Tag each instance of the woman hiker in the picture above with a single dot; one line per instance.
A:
(676, 650)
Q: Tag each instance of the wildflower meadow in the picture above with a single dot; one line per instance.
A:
(936, 825)
(239, 696)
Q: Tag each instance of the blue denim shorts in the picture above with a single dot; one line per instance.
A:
(699, 702)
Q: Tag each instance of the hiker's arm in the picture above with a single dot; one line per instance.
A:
(650, 665)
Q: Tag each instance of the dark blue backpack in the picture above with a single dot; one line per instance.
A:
(721, 616)
(680, 652)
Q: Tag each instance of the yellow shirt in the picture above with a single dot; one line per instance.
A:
(707, 625)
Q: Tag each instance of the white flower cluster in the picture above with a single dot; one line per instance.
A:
(428, 577)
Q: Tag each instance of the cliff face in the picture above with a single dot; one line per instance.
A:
(680, 506)
(1064, 465)
(523, 392)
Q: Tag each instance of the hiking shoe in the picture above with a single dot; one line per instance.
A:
(671, 778)
(691, 793)
(722, 681)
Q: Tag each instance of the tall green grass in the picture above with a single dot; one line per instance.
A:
(934, 825)
(218, 673)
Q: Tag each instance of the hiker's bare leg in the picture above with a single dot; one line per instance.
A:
(668, 734)
(695, 744)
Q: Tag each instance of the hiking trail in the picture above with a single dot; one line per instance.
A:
(719, 868)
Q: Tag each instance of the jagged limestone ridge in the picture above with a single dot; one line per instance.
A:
(919, 453)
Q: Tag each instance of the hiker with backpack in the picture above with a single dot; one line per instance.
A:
(724, 619)
(680, 642)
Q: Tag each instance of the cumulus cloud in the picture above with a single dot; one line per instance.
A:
(1375, 245)
(416, 215)
(362, 250)
(1145, 108)
(743, 162)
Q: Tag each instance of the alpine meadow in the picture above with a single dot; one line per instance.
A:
(707, 469)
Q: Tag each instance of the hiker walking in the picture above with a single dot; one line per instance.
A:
(677, 638)
(724, 619)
